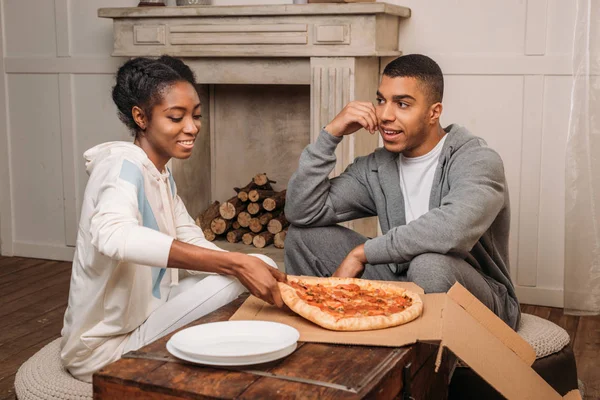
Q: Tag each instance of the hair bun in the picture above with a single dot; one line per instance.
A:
(140, 81)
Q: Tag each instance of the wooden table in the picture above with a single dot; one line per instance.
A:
(314, 370)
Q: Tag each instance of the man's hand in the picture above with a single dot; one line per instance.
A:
(353, 265)
(356, 115)
(260, 279)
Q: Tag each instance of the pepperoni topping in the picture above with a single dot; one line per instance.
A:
(350, 300)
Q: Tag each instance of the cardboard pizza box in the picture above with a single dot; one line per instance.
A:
(456, 320)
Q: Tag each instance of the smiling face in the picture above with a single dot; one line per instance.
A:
(408, 121)
(173, 127)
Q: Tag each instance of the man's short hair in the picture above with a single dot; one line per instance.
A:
(424, 69)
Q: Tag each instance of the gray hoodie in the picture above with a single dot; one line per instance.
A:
(469, 208)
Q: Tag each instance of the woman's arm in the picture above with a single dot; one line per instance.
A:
(258, 277)
(116, 233)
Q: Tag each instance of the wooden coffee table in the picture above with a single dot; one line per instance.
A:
(314, 370)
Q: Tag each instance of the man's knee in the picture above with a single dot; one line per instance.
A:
(432, 272)
(296, 251)
(295, 236)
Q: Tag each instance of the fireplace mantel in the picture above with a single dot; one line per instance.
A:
(311, 30)
(334, 48)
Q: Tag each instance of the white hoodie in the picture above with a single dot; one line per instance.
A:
(130, 215)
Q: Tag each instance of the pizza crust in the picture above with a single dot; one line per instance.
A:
(326, 320)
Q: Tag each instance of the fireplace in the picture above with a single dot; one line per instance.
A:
(270, 77)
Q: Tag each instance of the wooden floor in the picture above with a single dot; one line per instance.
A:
(33, 298)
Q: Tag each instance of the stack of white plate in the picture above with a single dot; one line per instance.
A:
(232, 343)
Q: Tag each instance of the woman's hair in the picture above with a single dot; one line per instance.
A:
(142, 81)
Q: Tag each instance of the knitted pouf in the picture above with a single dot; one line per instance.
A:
(555, 362)
(43, 377)
(545, 337)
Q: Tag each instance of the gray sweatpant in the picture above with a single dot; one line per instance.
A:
(319, 251)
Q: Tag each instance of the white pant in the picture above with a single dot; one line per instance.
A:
(194, 297)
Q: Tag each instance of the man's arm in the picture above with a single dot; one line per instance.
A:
(476, 197)
(315, 200)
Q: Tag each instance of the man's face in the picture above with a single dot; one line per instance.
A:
(404, 115)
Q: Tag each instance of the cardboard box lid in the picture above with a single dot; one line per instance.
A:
(458, 321)
(492, 349)
(490, 358)
(492, 323)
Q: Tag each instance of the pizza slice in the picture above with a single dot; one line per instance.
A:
(350, 304)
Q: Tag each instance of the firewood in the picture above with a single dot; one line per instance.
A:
(248, 237)
(236, 235)
(264, 218)
(220, 225)
(255, 225)
(209, 235)
(262, 239)
(242, 195)
(262, 180)
(235, 225)
(256, 195)
(254, 208)
(259, 223)
(278, 224)
(279, 239)
(206, 216)
(231, 208)
(244, 219)
(276, 201)
(252, 185)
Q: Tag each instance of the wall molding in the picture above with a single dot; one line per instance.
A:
(63, 28)
(68, 139)
(504, 64)
(452, 64)
(45, 251)
(536, 26)
(62, 65)
(540, 296)
(6, 211)
(529, 186)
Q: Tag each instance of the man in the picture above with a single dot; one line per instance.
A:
(440, 195)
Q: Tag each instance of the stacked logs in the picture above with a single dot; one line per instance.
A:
(253, 216)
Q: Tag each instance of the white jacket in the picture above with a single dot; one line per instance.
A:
(130, 214)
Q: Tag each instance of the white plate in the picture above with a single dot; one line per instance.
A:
(234, 341)
(231, 361)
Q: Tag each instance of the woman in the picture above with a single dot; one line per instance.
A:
(135, 233)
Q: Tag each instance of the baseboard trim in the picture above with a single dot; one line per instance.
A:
(44, 251)
(540, 296)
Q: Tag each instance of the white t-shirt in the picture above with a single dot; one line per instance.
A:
(416, 179)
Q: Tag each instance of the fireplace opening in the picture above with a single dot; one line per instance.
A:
(246, 130)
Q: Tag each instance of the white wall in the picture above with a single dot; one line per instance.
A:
(55, 93)
(507, 65)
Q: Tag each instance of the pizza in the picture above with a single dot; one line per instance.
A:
(350, 304)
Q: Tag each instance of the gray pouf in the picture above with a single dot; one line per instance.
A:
(43, 377)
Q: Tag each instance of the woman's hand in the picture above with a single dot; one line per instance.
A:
(260, 279)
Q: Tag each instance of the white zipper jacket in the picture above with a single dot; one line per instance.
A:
(130, 215)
